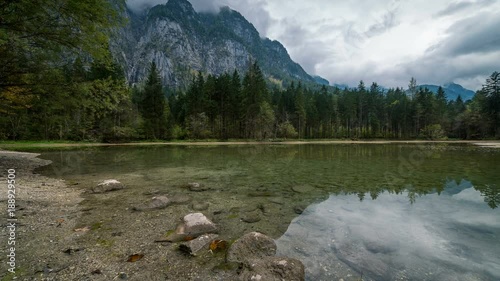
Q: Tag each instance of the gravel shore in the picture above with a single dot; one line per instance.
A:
(46, 210)
(58, 237)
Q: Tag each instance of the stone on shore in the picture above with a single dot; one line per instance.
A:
(108, 186)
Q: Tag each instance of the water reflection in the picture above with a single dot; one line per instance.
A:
(452, 236)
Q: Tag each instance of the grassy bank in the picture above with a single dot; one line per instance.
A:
(15, 145)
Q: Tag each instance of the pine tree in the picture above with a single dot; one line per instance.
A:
(153, 105)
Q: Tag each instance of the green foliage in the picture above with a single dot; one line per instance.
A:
(153, 106)
(35, 36)
(286, 130)
(432, 132)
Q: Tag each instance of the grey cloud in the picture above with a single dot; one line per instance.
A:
(253, 11)
(137, 6)
(477, 34)
(306, 50)
(389, 21)
(463, 5)
(206, 6)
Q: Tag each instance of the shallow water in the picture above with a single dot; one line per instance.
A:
(383, 212)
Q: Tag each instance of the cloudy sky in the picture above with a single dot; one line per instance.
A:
(387, 41)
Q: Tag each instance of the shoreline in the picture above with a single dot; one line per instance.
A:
(21, 145)
(46, 211)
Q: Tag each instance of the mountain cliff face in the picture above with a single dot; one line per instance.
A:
(183, 42)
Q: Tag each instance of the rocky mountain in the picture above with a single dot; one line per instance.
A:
(452, 91)
(183, 42)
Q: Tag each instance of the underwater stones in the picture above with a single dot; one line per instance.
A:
(107, 186)
(180, 199)
(251, 217)
(196, 187)
(256, 252)
(253, 245)
(299, 209)
(195, 246)
(193, 225)
(158, 202)
(200, 206)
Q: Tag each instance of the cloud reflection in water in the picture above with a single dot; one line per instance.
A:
(452, 236)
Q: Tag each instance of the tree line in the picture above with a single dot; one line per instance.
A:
(58, 81)
(97, 105)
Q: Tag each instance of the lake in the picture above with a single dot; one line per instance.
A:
(350, 211)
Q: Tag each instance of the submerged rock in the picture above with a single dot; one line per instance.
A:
(256, 253)
(195, 246)
(180, 199)
(253, 245)
(196, 187)
(299, 209)
(158, 202)
(198, 223)
(251, 217)
(200, 206)
(108, 186)
(274, 268)
(193, 226)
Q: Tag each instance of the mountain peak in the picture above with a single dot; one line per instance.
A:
(183, 42)
(183, 6)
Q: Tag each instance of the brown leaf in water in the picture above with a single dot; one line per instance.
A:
(218, 245)
(134, 258)
(188, 238)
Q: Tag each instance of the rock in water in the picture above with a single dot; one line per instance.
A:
(194, 247)
(251, 217)
(158, 202)
(256, 252)
(107, 186)
(251, 246)
(200, 206)
(196, 187)
(198, 223)
(194, 225)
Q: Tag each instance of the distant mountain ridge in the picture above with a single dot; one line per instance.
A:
(183, 42)
(452, 91)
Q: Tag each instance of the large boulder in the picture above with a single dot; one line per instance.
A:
(193, 226)
(251, 246)
(107, 186)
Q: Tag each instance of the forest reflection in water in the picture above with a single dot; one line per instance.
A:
(451, 236)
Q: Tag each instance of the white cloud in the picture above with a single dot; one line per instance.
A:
(386, 41)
